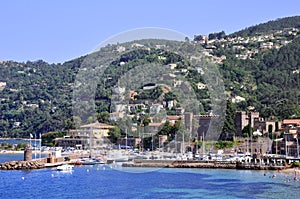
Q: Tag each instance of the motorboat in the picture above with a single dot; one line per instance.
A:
(65, 167)
(89, 161)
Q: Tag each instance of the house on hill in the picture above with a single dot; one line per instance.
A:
(173, 118)
(289, 144)
(290, 123)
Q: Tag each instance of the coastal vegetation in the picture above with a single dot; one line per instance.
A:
(48, 139)
(17, 147)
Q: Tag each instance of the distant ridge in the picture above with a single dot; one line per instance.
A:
(273, 25)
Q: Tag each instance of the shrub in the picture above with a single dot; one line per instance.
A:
(296, 164)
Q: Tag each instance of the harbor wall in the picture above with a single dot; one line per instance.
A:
(182, 164)
(22, 165)
(203, 164)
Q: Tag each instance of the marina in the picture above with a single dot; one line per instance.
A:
(113, 181)
(149, 159)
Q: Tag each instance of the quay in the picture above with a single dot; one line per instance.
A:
(263, 163)
(181, 164)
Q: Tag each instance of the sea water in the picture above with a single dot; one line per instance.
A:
(113, 181)
(6, 157)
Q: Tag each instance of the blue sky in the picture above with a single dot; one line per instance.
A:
(57, 31)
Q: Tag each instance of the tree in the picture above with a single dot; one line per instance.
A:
(247, 131)
(218, 35)
(103, 117)
(224, 144)
(21, 145)
(114, 134)
(228, 130)
(48, 139)
(166, 129)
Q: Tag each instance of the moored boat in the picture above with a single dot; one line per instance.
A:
(65, 167)
(89, 161)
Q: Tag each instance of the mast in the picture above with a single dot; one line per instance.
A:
(203, 145)
(91, 131)
(30, 141)
(35, 146)
(126, 140)
(182, 146)
(176, 144)
(40, 145)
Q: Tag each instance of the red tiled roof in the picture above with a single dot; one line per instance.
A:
(155, 124)
(291, 121)
(173, 117)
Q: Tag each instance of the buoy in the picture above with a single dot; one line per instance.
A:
(295, 179)
(87, 170)
(103, 168)
(97, 169)
(52, 175)
(23, 178)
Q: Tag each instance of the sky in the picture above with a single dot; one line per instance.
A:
(60, 30)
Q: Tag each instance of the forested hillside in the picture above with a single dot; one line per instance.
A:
(269, 82)
(278, 24)
(36, 97)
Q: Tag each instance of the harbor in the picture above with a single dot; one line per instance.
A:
(151, 159)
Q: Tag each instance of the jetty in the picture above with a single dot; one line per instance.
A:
(22, 165)
(256, 164)
(181, 164)
(54, 159)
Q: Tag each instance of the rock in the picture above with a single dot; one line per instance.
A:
(17, 165)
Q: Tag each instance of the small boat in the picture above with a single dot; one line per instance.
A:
(65, 167)
(89, 161)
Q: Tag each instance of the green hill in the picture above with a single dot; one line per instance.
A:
(36, 97)
(270, 26)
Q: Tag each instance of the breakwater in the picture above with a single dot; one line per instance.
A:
(22, 165)
(49, 161)
(242, 165)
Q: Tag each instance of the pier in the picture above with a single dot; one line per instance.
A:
(51, 161)
(181, 164)
(264, 163)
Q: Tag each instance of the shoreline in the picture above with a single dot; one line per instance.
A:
(22, 152)
(284, 169)
(176, 165)
(295, 171)
(26, 139)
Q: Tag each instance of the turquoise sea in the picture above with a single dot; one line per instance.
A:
(113, 181)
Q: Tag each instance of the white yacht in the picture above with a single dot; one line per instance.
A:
(65, 167)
